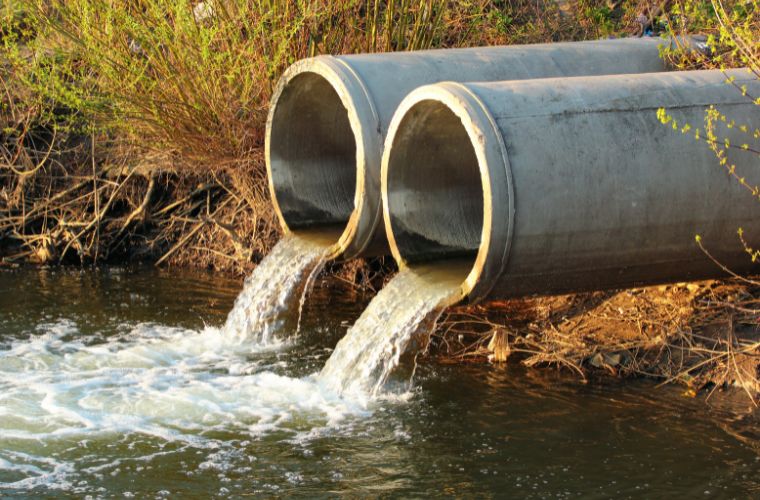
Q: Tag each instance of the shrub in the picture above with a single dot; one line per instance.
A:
(147, 99)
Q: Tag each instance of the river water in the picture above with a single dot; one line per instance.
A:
(122, 382)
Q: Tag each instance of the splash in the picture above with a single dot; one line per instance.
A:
(182, 392)
(268, 299)
(364, 359)
(170, 385)
(171, 389)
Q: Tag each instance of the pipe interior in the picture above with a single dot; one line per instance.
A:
(435, 192)
(312, 155)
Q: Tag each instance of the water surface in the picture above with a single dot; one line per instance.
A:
(121, 382)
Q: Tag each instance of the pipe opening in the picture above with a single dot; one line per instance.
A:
(312, 156)
(434, 187)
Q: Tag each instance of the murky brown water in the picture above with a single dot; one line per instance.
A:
(119, 382)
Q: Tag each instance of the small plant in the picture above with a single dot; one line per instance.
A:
(598, 14)
(733, 41)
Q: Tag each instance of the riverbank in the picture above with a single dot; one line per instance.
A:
(703, 335)
(154, 154)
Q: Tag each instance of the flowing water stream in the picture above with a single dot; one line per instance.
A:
(372, 348)
(130, 382)
(364, 359)
(270, 293)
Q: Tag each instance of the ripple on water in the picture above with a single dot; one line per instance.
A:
(167, 385)
(126, 406)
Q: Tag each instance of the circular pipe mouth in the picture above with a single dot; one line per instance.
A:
(315, 155)
(447, 188)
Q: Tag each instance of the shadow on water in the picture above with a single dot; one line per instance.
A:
(102, 298)
(464, 430)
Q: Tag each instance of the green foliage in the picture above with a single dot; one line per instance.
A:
(502, 19)
(694, 16)
(189, 78)
(732, 28)
(192, 78)
(600, 15)
(37, 77)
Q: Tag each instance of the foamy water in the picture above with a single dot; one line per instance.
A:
(413, 300)
(61, 389)
(173, 385)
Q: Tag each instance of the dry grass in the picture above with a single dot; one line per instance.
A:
(112, 211)
(705, 335)
(135, 130)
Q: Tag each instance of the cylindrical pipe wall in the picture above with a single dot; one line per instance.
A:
(329, 116)
(565, 185)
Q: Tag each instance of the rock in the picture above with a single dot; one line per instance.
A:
(608, 360)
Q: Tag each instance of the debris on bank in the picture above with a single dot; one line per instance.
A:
(704, 335)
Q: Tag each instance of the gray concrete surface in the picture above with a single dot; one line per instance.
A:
(570, 184)
(329, 117)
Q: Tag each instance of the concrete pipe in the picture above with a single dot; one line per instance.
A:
(329, 116)
(565, 185)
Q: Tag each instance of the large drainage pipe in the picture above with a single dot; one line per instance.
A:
(329, 116)
(565, 185)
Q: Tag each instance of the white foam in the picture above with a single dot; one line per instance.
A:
(182, 386)
(39, 471)
(167, 383)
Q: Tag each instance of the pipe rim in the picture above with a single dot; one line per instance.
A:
(496, 178)
(366, 214)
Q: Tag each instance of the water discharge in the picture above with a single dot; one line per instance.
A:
(174, 384)
(166, 381)
(269, 293)
(371, 350)
(64, 388)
